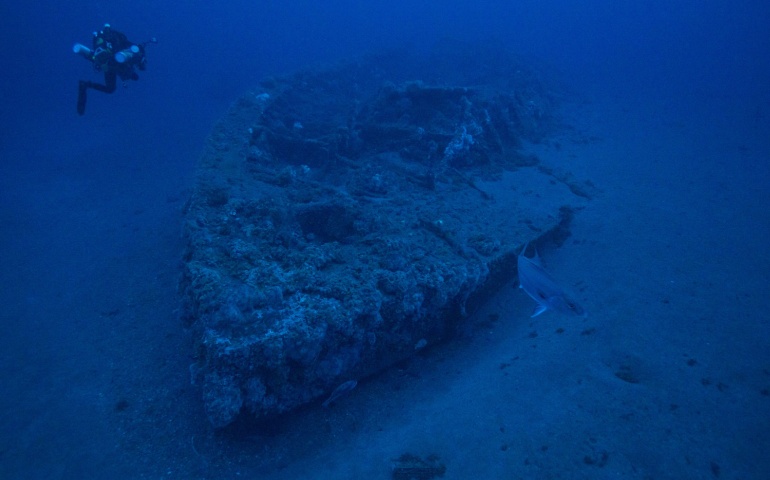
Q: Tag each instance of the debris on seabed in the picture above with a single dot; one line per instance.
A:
(412, 467)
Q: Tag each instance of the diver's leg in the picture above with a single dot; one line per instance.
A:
(82, 88)
(110, 83)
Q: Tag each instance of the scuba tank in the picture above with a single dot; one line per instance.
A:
(82, 50)
(129, 55)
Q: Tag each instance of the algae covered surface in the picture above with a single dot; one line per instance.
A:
(346, 217)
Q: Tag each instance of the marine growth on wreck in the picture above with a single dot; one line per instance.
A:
(344, 218)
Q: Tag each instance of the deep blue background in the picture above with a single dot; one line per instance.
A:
(208, 53)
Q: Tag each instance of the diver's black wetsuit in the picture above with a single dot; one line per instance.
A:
(106, 44)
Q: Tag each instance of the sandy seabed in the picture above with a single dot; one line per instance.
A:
(668, 376)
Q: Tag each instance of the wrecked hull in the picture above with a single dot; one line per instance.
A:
(343, 220)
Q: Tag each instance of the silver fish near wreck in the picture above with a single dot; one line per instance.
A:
(340, 391)
(541, 286)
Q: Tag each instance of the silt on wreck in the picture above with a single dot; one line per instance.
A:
(343, 218)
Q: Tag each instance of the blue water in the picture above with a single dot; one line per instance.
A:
(673, 258)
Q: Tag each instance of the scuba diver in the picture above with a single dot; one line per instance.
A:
(114, 55)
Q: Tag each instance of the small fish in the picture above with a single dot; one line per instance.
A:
(340, 391)
(539, 285)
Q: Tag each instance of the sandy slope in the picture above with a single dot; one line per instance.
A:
(670, 259)
(675, 282)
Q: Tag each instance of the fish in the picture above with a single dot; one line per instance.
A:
(339, 392)
(542, 287)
